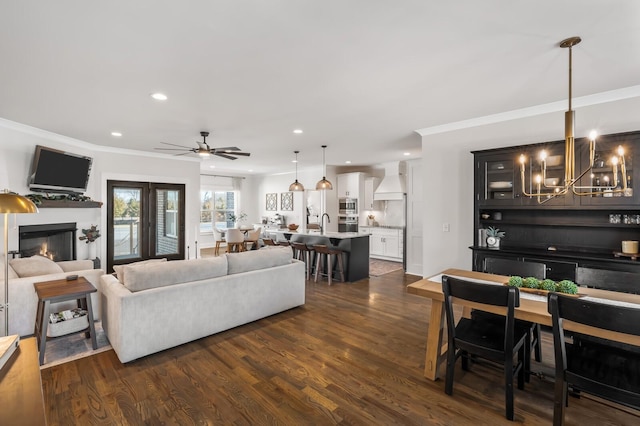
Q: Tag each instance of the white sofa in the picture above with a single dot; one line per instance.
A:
(155, 306)
(23, 300)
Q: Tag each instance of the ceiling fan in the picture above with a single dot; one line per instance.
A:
(204, 150)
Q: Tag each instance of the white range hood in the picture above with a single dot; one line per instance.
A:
(392, 186)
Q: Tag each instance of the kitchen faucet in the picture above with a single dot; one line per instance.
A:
(322, 222)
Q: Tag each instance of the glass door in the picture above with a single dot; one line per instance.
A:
(145, 221)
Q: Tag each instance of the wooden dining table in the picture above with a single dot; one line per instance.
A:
(532, 309)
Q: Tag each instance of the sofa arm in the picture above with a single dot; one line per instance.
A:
(75, 265)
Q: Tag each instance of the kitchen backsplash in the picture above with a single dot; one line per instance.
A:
(392, 214)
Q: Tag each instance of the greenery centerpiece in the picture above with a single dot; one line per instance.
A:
(535, 285)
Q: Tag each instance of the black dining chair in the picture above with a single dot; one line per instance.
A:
(471, 338)
(510, 267)
(601, 367)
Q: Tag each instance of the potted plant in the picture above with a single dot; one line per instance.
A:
(493, 237)
(90, 235)
(237, 218)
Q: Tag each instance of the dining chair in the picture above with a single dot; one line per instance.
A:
(509, 267)
(235, 240)
(471, 338)
(252, 238)
(606, 369)
(627, 282)
(219, 240)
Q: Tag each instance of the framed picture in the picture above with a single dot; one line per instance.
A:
(272, 202)
(286, 201)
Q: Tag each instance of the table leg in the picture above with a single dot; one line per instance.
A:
(92, 328)
(434, 340)
(44, 324)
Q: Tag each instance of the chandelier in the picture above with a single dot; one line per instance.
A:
(554, 188)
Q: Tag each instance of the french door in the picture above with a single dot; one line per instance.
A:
(145, 221)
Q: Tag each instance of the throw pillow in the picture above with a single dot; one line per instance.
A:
(119, 269)
(34, 266)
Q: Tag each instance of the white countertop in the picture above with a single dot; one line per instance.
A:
(338, 235)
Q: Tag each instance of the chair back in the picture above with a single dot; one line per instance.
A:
(494, 265)
(627, 282)
(486, 294)
(234, 235)
(254, 235)
(217, 235)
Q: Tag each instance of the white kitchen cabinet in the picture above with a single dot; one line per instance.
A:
(351, 185)
(370, 185)
(386, 243)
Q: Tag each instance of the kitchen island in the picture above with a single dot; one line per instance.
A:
(354, 244)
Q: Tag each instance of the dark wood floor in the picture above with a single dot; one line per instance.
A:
(354, 354)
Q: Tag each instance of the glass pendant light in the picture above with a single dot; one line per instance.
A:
(324, 184)
(296, 186)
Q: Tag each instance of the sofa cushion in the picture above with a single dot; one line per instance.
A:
(119, 269)
(75, 265)
(143, 277)
(12, 273)
(259, 259)
(34, 266)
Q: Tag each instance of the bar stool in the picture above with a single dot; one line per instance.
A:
(268, 242)
(304, 253)
(323, 257)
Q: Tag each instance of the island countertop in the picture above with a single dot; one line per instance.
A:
(336, 235)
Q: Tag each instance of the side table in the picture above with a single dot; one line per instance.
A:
(59, 291)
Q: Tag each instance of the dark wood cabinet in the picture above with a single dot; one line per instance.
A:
(565, 232)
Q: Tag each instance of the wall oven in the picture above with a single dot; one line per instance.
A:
(347, 206)
(347, 223)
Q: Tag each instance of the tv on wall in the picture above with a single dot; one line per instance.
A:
(59, 171)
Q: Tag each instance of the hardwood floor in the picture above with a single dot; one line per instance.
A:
(354, 354)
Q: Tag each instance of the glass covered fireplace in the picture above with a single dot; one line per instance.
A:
(57, 241)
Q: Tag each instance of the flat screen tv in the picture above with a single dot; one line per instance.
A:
(59, 171)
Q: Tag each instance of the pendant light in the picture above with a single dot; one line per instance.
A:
(296, 186)
(323, 184)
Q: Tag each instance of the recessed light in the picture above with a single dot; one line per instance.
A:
(347, 162)
(159, 96)
(297, 131)
(116, 134)
(294, 161)
(212, 167)
(250, 170)
(407, 153)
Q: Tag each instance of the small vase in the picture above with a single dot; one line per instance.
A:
(92, 251)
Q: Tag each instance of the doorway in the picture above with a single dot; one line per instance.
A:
(145, 221)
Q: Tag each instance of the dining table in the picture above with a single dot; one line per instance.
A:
(533, 308)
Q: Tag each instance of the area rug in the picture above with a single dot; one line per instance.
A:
(380, 267)
(73, 346)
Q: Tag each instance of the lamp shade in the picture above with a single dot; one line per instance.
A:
(323, 184)
(296, 186)
(15, 203)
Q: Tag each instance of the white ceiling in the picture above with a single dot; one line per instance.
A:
(360, 76)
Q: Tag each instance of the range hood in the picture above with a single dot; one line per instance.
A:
(392, 186)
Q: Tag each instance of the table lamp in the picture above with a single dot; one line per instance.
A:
(11, 203)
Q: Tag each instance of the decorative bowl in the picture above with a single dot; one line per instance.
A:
(292, 227)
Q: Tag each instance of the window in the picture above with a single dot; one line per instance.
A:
(215, 207)
(171, 213)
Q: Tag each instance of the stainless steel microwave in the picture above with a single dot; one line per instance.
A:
(347, 206)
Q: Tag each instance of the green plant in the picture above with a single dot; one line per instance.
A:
(240, 217)
(90, 234)
(495, 232)
(531, 282)
(549, 285)
(515, 281)
(567, 286)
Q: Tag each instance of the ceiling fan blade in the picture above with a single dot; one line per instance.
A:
(245, 154)
(184, 153)
(219, 154)
(172, 149)
(228, 148)
(173, 144)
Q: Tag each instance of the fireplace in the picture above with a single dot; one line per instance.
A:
(57, 241)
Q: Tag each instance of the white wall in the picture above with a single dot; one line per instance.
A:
(17, 146)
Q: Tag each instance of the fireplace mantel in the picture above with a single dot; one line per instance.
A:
(70, 204)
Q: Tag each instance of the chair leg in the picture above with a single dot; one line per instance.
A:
(318, 259)
(340, 266)
(216, 252)
(537, 342)
(508, 387)
(451, 365)
(524, 355)
(527, 356)
(329, 269)
(559, 401)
